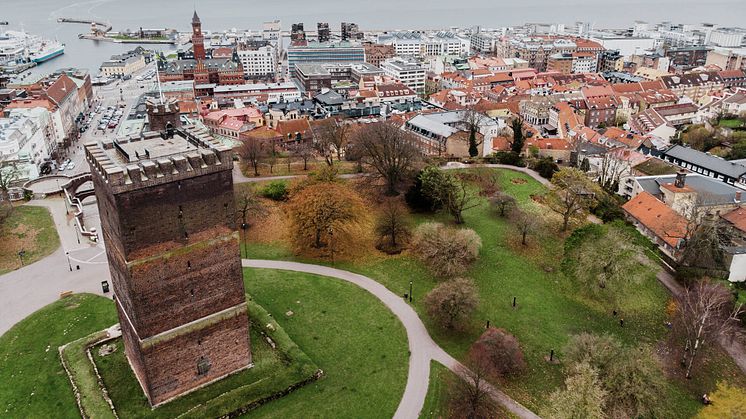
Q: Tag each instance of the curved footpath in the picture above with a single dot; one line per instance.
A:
(421, 346)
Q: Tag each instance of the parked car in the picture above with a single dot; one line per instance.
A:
(71, 166)
(62, 167)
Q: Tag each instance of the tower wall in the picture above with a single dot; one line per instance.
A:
(167, 217)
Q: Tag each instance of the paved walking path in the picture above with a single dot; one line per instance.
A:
(34, 286)
(421, 346)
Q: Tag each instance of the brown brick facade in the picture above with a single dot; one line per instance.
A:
(173, 251)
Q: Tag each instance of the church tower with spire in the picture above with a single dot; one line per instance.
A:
(198, 40)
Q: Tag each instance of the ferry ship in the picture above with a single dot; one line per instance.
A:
(18, 48)
(47, 50)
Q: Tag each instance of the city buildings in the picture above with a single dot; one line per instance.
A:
(351, 32)
(417, 44)
(407, 71)
(257, 61)
(329, 52)
(123, 65)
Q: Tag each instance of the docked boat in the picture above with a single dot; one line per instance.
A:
(47, 50)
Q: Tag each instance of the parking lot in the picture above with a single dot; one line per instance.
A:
(111, 105)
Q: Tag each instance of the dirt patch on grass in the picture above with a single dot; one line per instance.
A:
(518, 181)
(12, 241)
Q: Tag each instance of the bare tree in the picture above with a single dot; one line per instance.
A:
(469, 391)
(525, 223)
(389, 150)
(706, 310)
(573, 194)
(393, 226)
(502, 202)
(304, 152)
(249, 206)
(331, 138)
(9, 175)
(460, 198)
(252, 151)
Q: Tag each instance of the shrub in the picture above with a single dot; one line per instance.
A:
(501, 350)
(451, 303)
(446, 251)
(507, 157)
(546, 167)
(276, 190)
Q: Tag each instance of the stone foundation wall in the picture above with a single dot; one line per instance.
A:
(172, 365)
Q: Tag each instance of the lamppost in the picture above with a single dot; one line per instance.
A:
(77, 237)
(244, 227)
(20, 256)
(410, 291)
(69, 265)
(331, 242)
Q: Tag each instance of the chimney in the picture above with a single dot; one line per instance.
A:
(738, 196)
(680, 179)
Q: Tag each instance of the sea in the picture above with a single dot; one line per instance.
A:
(40, 17)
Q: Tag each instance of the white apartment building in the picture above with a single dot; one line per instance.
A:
(406, 71)
(416, 44)
(727, 37)
(271, 31)
(584, 62)
(257, 62)
(27, 138)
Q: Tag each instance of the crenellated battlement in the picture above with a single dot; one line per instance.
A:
(154, 158)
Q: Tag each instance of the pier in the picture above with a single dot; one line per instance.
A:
(106, 26)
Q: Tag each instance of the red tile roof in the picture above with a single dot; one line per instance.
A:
(737, 217)
(657, 217)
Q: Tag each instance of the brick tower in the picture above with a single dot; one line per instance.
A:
(167, 216)
(160, 114)
(198, 40)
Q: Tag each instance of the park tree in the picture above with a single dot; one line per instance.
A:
(706, 311)
(416, 197)
(583, 395)
(321, 210)
(447, 252)
(705, 241)
(459, 198)
(635, 385)
(630, 376)
(471, 119)
(9, 175)
(606, 260)
(469, 391)
(525, 223)
(330, 139)
(451, 303)
(452, 193)
(503, 203)
(252, 151)
(502, 352)
(302, 151)
(393, 226)
(519, 137)
(391, 152)
(572, 194)
(727, 402)
(249, 207)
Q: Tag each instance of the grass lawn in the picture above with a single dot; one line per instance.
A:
(730, 123)
(351, 335)
(274, 370)
(30, 229)
(550, 308)
(358, 343)
(436, 403)
(296, 168)
(33, 383)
